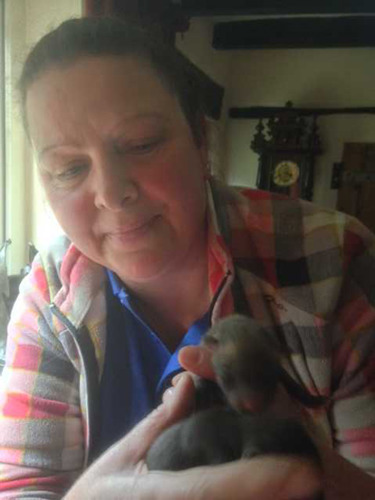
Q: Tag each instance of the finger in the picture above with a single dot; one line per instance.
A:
(168, 394)
(266, 478)
(133, 447)
(177, 406)
(189, 405)
(141, 467)
(176, 378)
(197, 360)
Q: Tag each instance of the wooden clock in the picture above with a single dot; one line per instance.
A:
(287, 152)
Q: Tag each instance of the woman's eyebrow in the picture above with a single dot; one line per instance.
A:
(52, 147)
(151, 116)
(147, 116)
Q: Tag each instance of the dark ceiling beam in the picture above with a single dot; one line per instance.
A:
(305, 32)
(246, 113)
(274, 7)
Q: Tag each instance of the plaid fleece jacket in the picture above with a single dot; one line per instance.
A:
(308, 275)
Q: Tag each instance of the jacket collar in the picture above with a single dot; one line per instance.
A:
(82, 280)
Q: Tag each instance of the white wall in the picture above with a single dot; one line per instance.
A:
(309, 78)
(196, 45)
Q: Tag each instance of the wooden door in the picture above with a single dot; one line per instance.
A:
(356, 196)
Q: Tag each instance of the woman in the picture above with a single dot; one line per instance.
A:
(156, 251)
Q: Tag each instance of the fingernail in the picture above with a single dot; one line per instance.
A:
(173, 389)
(173, 392)
(175, 379)
(168, 393)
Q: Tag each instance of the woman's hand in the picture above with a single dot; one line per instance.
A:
(120, 472)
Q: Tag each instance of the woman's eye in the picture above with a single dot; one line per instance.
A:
(140, 148)
(144, 148)
(70, 172)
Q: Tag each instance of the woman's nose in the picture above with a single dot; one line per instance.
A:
(114, 187)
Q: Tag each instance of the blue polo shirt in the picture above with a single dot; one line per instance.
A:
(137, 366)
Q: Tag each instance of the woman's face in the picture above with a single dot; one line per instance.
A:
(119, 164)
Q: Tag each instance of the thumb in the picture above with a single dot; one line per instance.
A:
(197, 360)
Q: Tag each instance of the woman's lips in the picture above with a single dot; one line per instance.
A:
(133, 232)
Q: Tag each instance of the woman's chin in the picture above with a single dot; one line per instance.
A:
(141, 269)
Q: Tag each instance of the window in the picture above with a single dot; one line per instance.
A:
(23, 215)
(2, 124)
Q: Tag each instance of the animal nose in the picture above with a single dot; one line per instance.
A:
(251, 402)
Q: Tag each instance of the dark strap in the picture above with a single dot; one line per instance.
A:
(241, 305)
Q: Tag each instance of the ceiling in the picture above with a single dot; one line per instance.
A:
(264, 24)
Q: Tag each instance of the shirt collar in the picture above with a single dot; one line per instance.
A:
(119, 288)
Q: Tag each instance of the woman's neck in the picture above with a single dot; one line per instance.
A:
(172, 303)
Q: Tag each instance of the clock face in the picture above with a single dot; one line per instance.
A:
(286, 173)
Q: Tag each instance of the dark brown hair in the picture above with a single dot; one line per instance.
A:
(100, 36)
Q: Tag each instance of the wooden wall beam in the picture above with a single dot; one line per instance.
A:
(274, 7)
(257, 112)
(299, 32)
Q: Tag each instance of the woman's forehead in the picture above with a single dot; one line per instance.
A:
(103, 82)
(105, 87)
(102, 72)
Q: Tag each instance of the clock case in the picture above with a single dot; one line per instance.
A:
(287, 137)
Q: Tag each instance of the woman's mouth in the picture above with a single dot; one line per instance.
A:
(133, 232)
